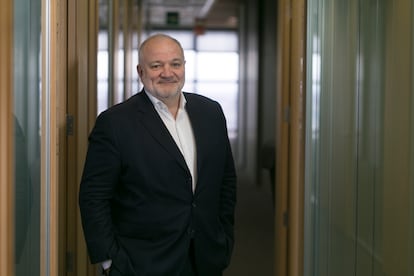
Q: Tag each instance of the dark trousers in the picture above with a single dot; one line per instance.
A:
(190, 267)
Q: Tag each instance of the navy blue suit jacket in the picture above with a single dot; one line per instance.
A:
(136, 199)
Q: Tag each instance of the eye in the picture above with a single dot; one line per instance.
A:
(176, 64)
(155, 66)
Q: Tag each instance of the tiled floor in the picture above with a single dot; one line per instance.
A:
(254, 249)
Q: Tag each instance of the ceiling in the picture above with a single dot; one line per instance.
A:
(184, 13)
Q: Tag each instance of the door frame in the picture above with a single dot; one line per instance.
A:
(6, 139)
(290, 137)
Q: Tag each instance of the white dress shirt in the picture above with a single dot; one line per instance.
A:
(181, 131)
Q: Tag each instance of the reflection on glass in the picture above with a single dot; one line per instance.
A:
(22, 190)
(360, 158)
(27, 136)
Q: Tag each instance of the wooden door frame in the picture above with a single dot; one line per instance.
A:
(6, 139)
(81, 114)
(53, 140)
(290, 137)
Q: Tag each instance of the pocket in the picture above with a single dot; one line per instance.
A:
(121, 263)
(227, 244)
(229, 250)
(115, 272)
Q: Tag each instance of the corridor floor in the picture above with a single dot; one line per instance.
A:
(253, 254)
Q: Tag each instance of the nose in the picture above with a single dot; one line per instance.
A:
(166, 71)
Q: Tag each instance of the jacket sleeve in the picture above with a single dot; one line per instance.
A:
(100, 175)
(228, 189)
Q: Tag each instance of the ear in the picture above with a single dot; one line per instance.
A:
(139, 70)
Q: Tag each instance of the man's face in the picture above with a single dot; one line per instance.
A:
(162, 68)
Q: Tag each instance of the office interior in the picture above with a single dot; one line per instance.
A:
(319, 100)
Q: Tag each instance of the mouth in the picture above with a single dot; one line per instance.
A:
(167, 82)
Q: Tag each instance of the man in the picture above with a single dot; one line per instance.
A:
(158, 191)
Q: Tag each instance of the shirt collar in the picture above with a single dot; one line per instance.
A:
(158, 103)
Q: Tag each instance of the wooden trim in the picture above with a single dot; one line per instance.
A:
(297, 138)
(61, 110)
(49, 217)
(290, 137)
(93, 62)
(81, 105)
(128, 32)
(53, 142)
(79, 111)
(92, 81)
(113, 91)
(6, 139)
(282, 137)
(71, 177)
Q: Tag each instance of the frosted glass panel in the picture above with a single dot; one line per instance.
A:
(360, 139)
(27, 136)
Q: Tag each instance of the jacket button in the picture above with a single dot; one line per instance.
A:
(194, 204)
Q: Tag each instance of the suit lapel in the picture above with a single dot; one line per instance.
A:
(200, 135)
(155, 126)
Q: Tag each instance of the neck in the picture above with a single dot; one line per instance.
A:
(173, 104)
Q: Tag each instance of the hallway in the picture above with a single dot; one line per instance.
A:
(253, 254)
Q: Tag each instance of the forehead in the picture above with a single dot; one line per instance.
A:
(162, 49)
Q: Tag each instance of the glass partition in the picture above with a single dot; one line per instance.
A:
(27, 81)
(359, 199)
